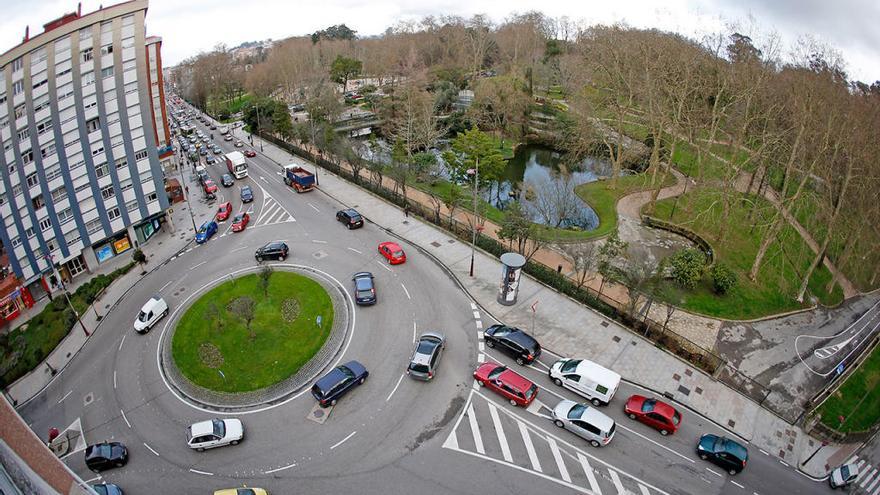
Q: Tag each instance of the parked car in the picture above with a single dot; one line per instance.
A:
(106, 455)
(350, 218)
(241, 491)
(513, 342)
(214, 433)
(224, 211)
(250, 153)
(240, 222)
(364, 288)
(426, 356)
(210, 160)
(392, 252)
(228, 137)
(247, 195)
(205, 232)
(239, 144)
(152, 311)
(509, 384)
(724, 452)
(586, 378)
(210, 188)
(217, 151)
(585, 422)
(227, 180)
(213, 127)
(273, 250)
(107, 489)
(844, 475)
(654, 413)
(341, 380)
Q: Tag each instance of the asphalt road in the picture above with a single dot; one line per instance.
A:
(391, 435)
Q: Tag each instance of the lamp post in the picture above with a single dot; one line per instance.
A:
(476, 173)
(259, 129)
(50, 259)
(186, 193)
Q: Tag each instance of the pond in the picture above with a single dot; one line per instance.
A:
(544, 184)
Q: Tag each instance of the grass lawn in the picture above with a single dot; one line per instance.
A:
(231, 106)
(779, 277)
(858, 400)
(278, 349)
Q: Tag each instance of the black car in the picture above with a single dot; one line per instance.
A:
(350, 218)
(364, 290)
(341, 379)
(227, 180)
(107, 489)
(247, 195)
(724, 452)
(273, 250)
(513, 342)
(106, 455)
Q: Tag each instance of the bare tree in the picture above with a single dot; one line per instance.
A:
(265, 277)
(245, 309)
(582, 256)
(553, 199)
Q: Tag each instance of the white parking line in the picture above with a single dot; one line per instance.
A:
(355, 250)
(314, 207)
(737, 484)
(615, 479)
(279, 469)
(201, 472)
(476, 315)
(715, 473)
(318, 241)
(873, 484)
(414, 332)
(196, 266)
(96, 478)
(475, 429)
(591, 477)
(404, 289)
(530, 448)
(124, 418)
(122, 341)
(151, 449)
(65, 396)
(864, 480)
(395, 388)
(166, 285)
(337, 444)
(499, 430)
(114, 379)
(557, 456)
(383, 265)
(473, 306)
(238, 249)
(481, 357)
(479, 324)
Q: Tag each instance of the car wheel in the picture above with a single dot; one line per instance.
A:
(234, 442)
(559, 423)
(558, 382)
(664, 432)
(259, 259)
(119, 464)
(164, 313)
(200, 449)
(489, 343)
(362, 380)
(349, 226)
(594, 443)
(703, 456)
(512, 402)
(632, 416)
(333, 402)
(479, 383)
(281, 258)
(732, 472)
(520, 361)
(596, 402)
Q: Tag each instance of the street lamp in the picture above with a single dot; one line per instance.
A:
(185, 193)
(50, 259)
(476, 173)
(259, 129)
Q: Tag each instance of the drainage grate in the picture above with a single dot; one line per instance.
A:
(615, 338)
(319, 255)
(731, 423)
(684, 390)
(435, 244)
(676, 377)
(450, 241)
(604, 323)
(88, 399)
(698, 390)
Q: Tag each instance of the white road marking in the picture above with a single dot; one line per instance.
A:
(166, 285)
(318, 241)
(122, 341)
(481, 358)
(716, 474)
(96, 478)
(114, 379)
(474, 306)
(615, 479)
(451, 441)
(383, 265)
(591, 477)
(200, 264)
(479, 335)
(414, 332)
(201, 472)
(263, 179)
(279, 469)
(65, 396)
(557, 455)
(482, 347)
(337, 444)
(644, 490)
(499, 430)
(238, 249)
(864, 480)
(479, 324)
(784, 463)
(475, 429)
(314, 207)
(395, 388)
(355, 250)
(657, 444)
(764, 452)
(151, 449)
(873, 484)
(530, 448)
(476, 315)
(404, 289)
(124, 418)
(737, 484)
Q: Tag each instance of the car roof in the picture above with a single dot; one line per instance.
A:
(390, 244)
(733, 447)
(597, 372)
(202, 428)
(352, 211)
(274, 244)
(515, 380)
(521, 338)
(596, 418)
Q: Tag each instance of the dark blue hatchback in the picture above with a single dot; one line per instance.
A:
(724, 452)
(341, 379)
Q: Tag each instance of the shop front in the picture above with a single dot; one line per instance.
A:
(13, 298)
(148, 228)
(112, 247)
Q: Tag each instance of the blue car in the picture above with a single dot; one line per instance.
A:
(206, 231)
(339, 382)
(247, 195)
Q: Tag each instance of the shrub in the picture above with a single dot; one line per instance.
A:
(723, 278)
(687, 267)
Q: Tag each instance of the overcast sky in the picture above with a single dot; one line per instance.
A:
(188, 26)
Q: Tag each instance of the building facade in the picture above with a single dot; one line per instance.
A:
(158, 109)
(80, 174)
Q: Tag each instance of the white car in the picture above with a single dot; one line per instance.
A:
(214, 433)
(154, 310)
(586, 378)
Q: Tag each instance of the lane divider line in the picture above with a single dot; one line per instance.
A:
(337, 444)
(151, 449)
(395, 388)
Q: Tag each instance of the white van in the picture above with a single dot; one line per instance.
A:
(224, 130)
(585, 422)
(586, 378)
(155, 309)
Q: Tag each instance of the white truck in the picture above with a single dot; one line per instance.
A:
(224, 130)
(236, 164)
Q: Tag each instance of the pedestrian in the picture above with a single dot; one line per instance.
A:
(406, 211)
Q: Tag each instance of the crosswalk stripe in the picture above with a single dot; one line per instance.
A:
(864, 480)
(852, 459)
(266, 209)
(475, 429)
(873, 484)
(527, 440)
(860, 464)
(591, 477)
(616, 480)
(563, 471)
(644, 490)
(499, 430)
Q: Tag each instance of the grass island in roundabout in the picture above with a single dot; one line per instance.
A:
(252, 332)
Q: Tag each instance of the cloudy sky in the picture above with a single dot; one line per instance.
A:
(190, 26)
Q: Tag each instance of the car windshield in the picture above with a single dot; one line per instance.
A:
(222, 209)
(577, 411)
(501, 331)
(531, 391)
(676, 418)
(237, 218)
(496, 372)
(398, 254)
(348, 373)
(844, 472)
(219, 428)
(648, 405)
(203, 229)
(570, 365)
(364, 284)
(418, 368)
(142, 316)
(364, 292)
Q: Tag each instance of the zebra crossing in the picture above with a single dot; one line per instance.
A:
(492, 433)
(868, 482)
(273, 213)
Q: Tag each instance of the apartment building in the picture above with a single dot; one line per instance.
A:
(82, 126)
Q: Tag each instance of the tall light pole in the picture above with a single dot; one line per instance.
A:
(51, 260)
(476, 173)
(186, 193)
(259, 129)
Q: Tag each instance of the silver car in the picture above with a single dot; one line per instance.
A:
(426, 356)
(584, 421)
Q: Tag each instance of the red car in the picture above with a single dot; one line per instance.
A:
(250, 153)
(654, 413)
(392, 252)
(513, 387)
(240, 222)
(210, 187)
(224, 211)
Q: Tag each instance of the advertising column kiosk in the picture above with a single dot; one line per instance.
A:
(511, 269)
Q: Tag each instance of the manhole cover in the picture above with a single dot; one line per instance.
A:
(450, 241)
(319, 414)
(435, 244)
(88, 399)
(319, 255)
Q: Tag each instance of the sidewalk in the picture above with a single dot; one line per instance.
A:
(565, 327)
(158, 249)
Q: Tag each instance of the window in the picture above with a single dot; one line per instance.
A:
(17, 64)
(16, 241)
(30, 232)
(33, 179)
(20, 111)
(96, 151)
(81, 187)
(41, 83)
(3, 199)
(63, 72)
(93, 226)
(73, 240)
(2, 100)
(122, 162)
(146, 178)
(47, 150)
(53, 172)
(107, 192)
(113, 213)
(41, 103)
(93, 125)
(125, 185)
(107, 72)
(45, 224)
(152, 197)
(27, 157)
(59, 194)
(88, 78)
(51, 245)
(131, 205)
(65, 216)
(140, 155)
(44, 126)
(86, 54)
(85, 33)
(38, 202)
(17, 87)
(38, 55)
(24, 134)
(106, 49)
(102, 170)
(16, 190)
